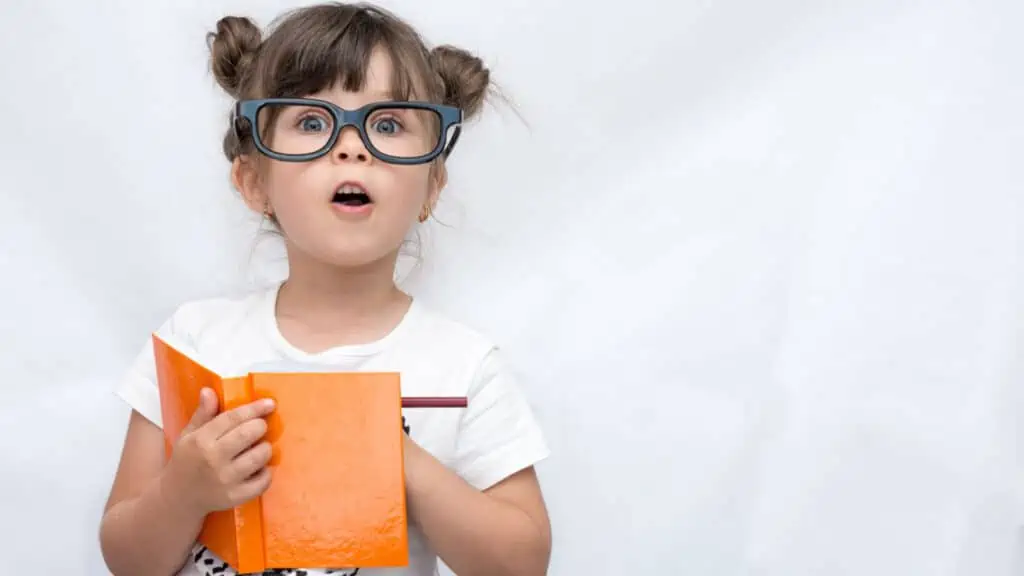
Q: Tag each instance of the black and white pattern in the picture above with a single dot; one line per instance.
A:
(208, 564)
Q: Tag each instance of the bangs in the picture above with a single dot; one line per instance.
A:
(322, 49)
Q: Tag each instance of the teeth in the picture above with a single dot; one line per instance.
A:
(350, 190)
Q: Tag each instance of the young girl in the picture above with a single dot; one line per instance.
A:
(342, 123)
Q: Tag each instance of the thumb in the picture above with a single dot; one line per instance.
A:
(205, 412)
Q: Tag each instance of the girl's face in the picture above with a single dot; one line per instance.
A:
(318, 204)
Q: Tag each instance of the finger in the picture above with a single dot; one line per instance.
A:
(252, 487)
(251, 461)
(226, 421)
(205, 412)
(241, 438)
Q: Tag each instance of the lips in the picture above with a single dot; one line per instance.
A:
(351, 195)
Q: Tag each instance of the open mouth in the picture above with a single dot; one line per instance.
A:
(351, 195)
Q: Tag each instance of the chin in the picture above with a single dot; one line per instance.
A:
(348, 251)
(356, 258)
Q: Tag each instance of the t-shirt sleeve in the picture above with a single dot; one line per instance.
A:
(138, 386)
(499, 435)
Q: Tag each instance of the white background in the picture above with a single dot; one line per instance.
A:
(759, 263)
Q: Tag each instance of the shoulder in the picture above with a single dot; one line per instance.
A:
(466, 353)
(192, 327)
(442, 332)
(467, 359)
(195, 320)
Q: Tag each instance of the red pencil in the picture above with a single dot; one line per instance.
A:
(434, 402)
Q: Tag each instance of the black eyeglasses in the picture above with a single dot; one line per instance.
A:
(304, 129)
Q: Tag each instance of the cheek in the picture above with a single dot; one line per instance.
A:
(424, 181)
(285, 184)
(410, 189)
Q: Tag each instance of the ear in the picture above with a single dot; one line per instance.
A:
(246, 181)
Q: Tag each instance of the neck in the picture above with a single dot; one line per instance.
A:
(363, 302)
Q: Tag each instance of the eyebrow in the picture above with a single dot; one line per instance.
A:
(374, 95)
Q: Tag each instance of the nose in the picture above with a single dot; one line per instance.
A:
(349, 147)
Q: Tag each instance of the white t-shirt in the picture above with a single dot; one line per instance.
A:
(495, 436)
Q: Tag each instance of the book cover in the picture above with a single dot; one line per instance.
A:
(337, 493)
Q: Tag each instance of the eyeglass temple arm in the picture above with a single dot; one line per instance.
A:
(451, 144)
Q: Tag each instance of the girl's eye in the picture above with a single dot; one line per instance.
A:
(312, 124)
(388, 126)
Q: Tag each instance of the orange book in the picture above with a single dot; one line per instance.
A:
(337, 493)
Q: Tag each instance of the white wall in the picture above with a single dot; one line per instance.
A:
(759, 263)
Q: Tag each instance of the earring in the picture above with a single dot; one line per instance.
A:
(268, 216)
(424, 214)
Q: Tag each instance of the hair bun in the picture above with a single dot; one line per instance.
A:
(466, 79)
(232, 49)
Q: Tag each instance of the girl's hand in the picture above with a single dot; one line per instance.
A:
(214, 464)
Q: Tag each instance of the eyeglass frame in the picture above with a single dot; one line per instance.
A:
(249, 109)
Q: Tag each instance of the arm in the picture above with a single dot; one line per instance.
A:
(142, 531)
(155, 512)
(501, 530)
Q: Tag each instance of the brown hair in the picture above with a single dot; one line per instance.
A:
(313, 48)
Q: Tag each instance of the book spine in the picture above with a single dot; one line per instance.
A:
(248, 516)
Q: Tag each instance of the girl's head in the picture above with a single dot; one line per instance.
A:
(345, 197)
